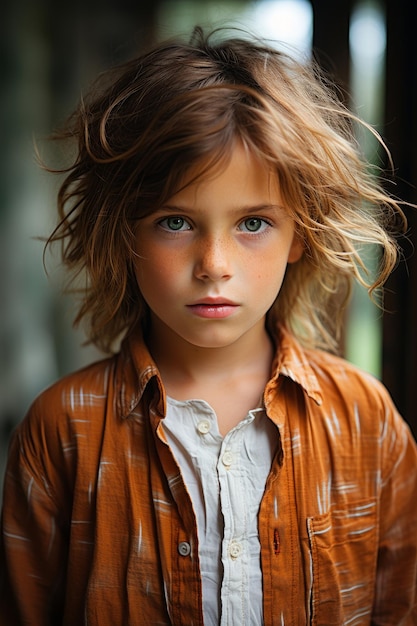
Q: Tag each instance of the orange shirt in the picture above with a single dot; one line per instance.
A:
(98, 528)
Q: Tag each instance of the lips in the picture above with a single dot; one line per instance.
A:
(213, 308)
(214, 301)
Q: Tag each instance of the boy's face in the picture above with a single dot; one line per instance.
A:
(211, 262)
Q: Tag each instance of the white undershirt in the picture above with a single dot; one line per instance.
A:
(226, 479)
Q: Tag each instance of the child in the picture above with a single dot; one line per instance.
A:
(221, 467)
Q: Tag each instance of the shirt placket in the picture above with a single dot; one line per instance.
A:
(178, 545)
(235, 554)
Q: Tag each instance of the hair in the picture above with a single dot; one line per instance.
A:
(148, 121)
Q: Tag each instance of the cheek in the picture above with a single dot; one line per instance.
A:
(266, 283)
(273, 280)
(156, 275)
(268, 279)
(270, 268)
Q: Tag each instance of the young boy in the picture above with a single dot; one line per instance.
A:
(221, 467)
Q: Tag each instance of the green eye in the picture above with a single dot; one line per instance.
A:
(253, 224)
(174, 223)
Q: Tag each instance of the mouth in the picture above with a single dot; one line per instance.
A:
(213, 308)
(214, 301)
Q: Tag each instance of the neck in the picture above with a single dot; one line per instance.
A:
(181, 362)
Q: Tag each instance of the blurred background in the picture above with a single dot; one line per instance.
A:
(50, 52)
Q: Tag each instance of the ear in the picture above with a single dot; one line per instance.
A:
(296, 250)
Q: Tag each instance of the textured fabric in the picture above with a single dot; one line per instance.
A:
(98, 527)
(226, 480)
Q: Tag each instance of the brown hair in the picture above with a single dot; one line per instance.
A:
(147, 122)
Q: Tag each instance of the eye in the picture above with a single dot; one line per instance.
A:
(174, 223)
(253, 225)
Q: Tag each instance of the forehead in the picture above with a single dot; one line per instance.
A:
(236, 161)
(239, 178)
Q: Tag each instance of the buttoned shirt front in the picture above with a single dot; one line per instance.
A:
(98, 527)
(225, 478)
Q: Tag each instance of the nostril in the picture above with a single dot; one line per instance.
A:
(213, 261)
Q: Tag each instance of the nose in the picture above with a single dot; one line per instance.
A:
(213, 260)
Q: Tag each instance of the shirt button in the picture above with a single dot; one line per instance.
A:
(184, 548)
(203, 427)
(235, 549)
(227, 459)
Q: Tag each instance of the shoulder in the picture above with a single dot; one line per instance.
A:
(329, 379)
(359, 404)
(77, 392)
(69, 410)
(355, 418)
(339, 391)
(64, 425)
(339, 378)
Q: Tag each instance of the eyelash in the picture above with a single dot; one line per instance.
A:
(265, 224)
(173, 230)
(163, 223)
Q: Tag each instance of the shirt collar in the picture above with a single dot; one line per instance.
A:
(136, 371)
(293, 361)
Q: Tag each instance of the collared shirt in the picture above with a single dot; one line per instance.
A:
(226, 480)
(98, 527)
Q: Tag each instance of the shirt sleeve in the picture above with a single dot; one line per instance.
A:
(34, 540)
(396, 580)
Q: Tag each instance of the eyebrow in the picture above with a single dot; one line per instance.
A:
(249, 209)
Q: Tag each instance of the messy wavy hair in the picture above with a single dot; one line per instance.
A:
(147, 122)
